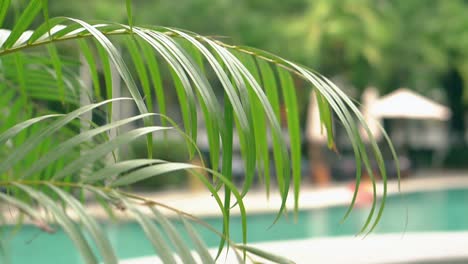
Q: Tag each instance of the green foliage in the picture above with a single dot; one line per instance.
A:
(54, 152)
(169, 149)
(387, 44)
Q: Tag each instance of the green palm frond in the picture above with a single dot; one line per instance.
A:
(49, 159)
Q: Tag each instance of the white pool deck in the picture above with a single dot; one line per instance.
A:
(417, 248)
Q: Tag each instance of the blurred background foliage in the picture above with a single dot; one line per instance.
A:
(369, 41)
(172, 149)
(387, 44)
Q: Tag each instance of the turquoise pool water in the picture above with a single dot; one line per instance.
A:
(426, 211)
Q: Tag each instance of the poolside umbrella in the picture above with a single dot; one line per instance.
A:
(319, 169)
(406, 104)
(314, 131)
(369, 98)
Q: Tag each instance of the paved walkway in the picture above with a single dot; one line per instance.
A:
(413, 248)
(203, 204)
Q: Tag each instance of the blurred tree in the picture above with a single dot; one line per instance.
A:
(433, 52)
(390, 44)
(387, 44)
(343, 37)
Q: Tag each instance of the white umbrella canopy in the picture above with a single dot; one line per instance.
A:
(406, 104)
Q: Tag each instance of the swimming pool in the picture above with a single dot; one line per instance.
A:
(443, 210)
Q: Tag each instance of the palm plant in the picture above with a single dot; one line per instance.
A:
(55, 157)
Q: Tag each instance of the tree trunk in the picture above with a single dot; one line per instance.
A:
(453, 84)
(318, 167)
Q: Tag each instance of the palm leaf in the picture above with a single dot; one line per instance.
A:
(65, 222)
(50, 153)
